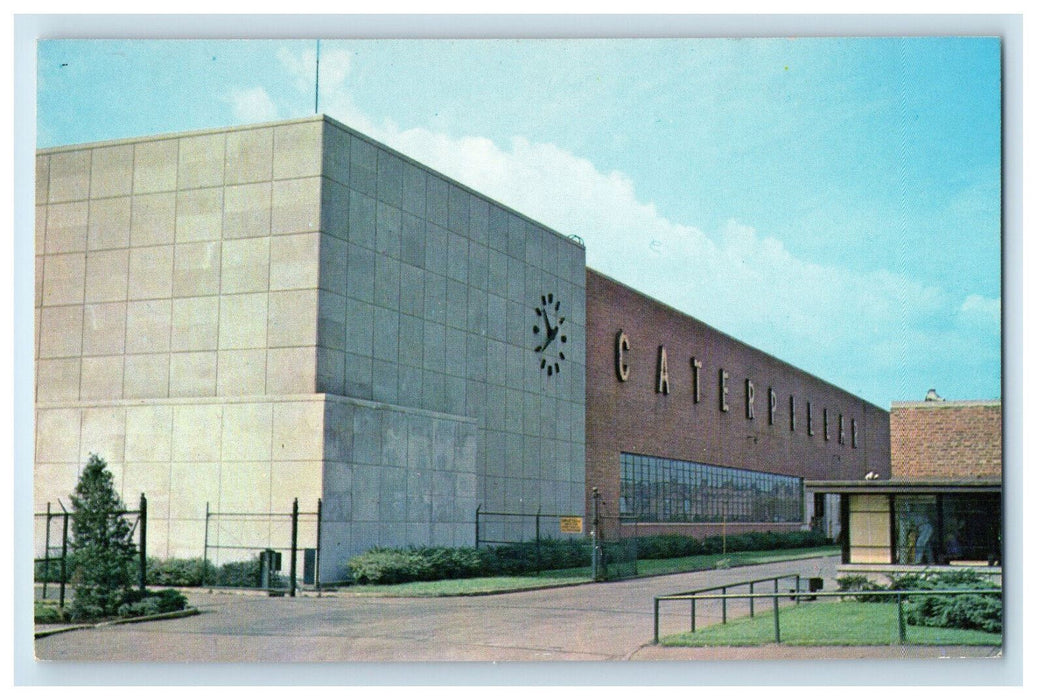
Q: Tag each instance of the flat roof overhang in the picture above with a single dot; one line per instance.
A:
(888, 486)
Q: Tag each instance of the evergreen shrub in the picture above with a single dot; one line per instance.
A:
(971, 611)
(102, 551)
(857, 583)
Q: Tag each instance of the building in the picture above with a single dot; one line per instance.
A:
(236, 318)
(942, 504)
(690, 431)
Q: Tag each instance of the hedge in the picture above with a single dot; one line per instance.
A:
(972, 611)
(141, 603)
(184, 573)
(384, 565)
(399, 565)
(673, 546)
(178, 572)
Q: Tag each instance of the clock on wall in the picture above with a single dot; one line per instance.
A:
(550, 334)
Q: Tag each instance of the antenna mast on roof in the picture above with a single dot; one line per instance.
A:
(317, 76)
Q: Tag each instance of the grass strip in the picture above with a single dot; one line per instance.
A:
(467, 586)
(828, 624)
(566, 577)
(702, 562)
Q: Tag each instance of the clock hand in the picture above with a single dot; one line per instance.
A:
(547, 324)
(552, 334)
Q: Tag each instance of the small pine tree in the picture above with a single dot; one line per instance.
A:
(102, 549)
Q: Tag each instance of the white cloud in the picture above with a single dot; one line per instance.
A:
(747, 284)
(979, 309)
(743, 282)
(301, 66)
(334, 68)
(252, 105)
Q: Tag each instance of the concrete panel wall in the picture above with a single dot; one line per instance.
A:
(249, 455)
(393, 477)
(176, 328)
(194, 291)
(426, 300)
(184, 266)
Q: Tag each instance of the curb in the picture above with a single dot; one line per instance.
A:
(188, 612)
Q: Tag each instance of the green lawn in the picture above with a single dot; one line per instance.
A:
(701, 562)
(561, 577)
(828, 624)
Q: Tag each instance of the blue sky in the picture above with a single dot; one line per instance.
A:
(834, 202)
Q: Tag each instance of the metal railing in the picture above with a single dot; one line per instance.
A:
(796, 595)
(693, 596)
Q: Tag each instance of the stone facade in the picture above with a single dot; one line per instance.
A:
(239, 317)
(946, 439)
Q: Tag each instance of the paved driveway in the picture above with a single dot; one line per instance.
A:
(595, 622)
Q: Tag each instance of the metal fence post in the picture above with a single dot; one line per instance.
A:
(318, 540)
(538, 539)
(595, 563)
(899, 612)
(752, 599)
(656, 620)
(775, 606)
(206, 537)
(293, 550)
(775, 615)
(797, 589)
(143, 517)
(724, 603)
(65, 542)
(47, 550)
(692, 615)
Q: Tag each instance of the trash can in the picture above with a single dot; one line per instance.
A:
(271, 562)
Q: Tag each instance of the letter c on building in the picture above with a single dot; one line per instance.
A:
(622, 346)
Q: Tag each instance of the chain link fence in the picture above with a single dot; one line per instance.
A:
(533, 536)
(616, 548)
(610, 541)
(273, 551)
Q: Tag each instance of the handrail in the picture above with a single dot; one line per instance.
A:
(775, 596)
(724, 612)
(739, 583)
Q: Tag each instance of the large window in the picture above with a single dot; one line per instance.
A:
(655, 489)
(946, 528)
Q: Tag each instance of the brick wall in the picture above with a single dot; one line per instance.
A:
(946, 439)
(633, 416)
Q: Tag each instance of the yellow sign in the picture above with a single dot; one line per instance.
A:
(571, 525)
